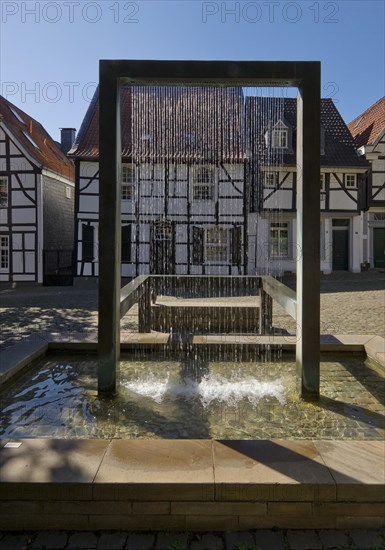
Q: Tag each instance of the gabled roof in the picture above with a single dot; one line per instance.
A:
(367, 127)
(35, 140)
(262, 114)
(197, 124)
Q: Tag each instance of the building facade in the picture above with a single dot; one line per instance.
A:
(184, 198)
(208, 185)
(272, 227)
(368, 131)
(36, 196)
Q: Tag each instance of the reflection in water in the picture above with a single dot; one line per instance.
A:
(193, 398)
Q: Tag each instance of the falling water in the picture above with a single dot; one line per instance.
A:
(204, 201)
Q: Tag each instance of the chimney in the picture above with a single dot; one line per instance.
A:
(67, 139)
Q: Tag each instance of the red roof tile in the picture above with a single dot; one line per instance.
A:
(168, 122)
(369, 125)
(35, 140)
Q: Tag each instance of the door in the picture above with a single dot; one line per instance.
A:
(162, 260)
(379, 246)
(340, 249)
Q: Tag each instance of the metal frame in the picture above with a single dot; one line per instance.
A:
(305, 75)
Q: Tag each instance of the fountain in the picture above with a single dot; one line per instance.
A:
(272, 470)
(306, 77)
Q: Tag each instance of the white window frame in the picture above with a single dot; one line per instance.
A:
(68, 192)
(280, 136)
(203, 188)
(211, 245)
(128, 182)
(280, 227)
(4, 253)
(270, 179)
(352, 184)
(4, 191)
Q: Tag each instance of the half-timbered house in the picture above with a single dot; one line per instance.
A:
(184, 202)
(368, 130)
(271, 124)
(36, 196)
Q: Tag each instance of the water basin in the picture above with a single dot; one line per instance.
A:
(193, 398)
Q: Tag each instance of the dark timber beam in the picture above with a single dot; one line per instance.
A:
(303, 74)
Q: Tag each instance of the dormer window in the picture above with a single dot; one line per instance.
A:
(280, 136)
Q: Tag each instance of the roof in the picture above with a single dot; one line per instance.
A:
(172, 122)
(35, 140)
(336, 141)
(367, 127)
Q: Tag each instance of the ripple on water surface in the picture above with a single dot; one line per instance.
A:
(194, 399)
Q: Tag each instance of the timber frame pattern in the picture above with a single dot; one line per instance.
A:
(305, 75)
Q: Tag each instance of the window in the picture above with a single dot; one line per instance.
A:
(126, 244)
(16, 114)
(342, 222)
(279, 240)
(322, 188)
(128, 180)
(4, 252)
(3, 192)
(280, 136)
(351, 181)
(163, 231)
(271, 179)
(68, 192)
(279, 139)
(203, 184)
(216, 245)
(378, 217)
(30, 140)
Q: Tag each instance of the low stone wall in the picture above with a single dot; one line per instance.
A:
(186, 484)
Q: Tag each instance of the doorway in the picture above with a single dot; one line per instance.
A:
(162, 261)
(379, 246)
(340, 245)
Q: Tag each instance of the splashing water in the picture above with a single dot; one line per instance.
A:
(212, 388)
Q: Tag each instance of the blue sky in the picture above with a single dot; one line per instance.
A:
(50, 49)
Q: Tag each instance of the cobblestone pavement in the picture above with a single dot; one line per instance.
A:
(265, 539)
(350, 303)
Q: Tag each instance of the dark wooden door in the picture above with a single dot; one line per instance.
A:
(340, 249)
(379, 246)
(162, 248)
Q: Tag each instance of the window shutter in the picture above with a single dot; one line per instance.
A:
(197, 246)
(88, 240)
(236, 245)
(126, 243)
